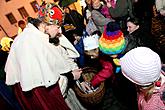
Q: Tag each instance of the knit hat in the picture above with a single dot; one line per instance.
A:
(112, 40)
(50, 13)
(141, 65)
(91, 42)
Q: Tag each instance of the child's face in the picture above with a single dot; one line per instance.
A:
(94, 53)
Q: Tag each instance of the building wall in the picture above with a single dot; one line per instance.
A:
(12, 7)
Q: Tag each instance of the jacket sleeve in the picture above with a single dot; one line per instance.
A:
(122, 8)
(99, 19)
(70, 78)
(102, 75)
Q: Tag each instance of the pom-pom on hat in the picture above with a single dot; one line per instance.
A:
(91, 42)
(50, 13)
(141, 65)
(112, 41)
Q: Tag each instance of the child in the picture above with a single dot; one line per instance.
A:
(105, 56)
(142, 66)
(103, 52)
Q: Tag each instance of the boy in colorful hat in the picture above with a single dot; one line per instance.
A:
(112, 42)
(105, 50)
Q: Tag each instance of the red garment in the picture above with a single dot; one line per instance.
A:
(41, 98)
(102, 75)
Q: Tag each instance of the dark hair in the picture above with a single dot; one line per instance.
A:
(133, 20)
(78, 32)
(21, 22)
(34, 21)
(97, 32)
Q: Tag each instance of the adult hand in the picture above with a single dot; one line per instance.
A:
(76, 73)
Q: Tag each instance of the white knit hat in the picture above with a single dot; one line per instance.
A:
(141, 66)
(91, 42)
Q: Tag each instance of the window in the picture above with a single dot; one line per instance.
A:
(7, 0)
(23, 12)
(11, 18)
(34, 6)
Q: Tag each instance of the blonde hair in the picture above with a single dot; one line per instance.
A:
(147, 91)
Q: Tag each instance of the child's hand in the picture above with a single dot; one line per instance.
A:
(75, 42)
(85, 86)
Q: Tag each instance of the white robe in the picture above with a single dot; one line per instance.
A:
(33, 61)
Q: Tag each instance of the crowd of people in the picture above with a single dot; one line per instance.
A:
(43, 64)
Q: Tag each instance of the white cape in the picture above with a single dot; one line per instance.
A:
(64, 42)
(33, 61)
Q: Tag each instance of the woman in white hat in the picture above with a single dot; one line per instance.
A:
(142, 66)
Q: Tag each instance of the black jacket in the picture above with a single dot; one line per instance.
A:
(138, 38)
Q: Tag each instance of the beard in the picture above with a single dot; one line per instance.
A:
(55, 40)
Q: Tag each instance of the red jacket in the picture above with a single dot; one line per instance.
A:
(104, 74)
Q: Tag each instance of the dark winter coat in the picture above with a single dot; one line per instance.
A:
(139, 38)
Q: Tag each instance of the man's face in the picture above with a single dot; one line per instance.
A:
(53, 31)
